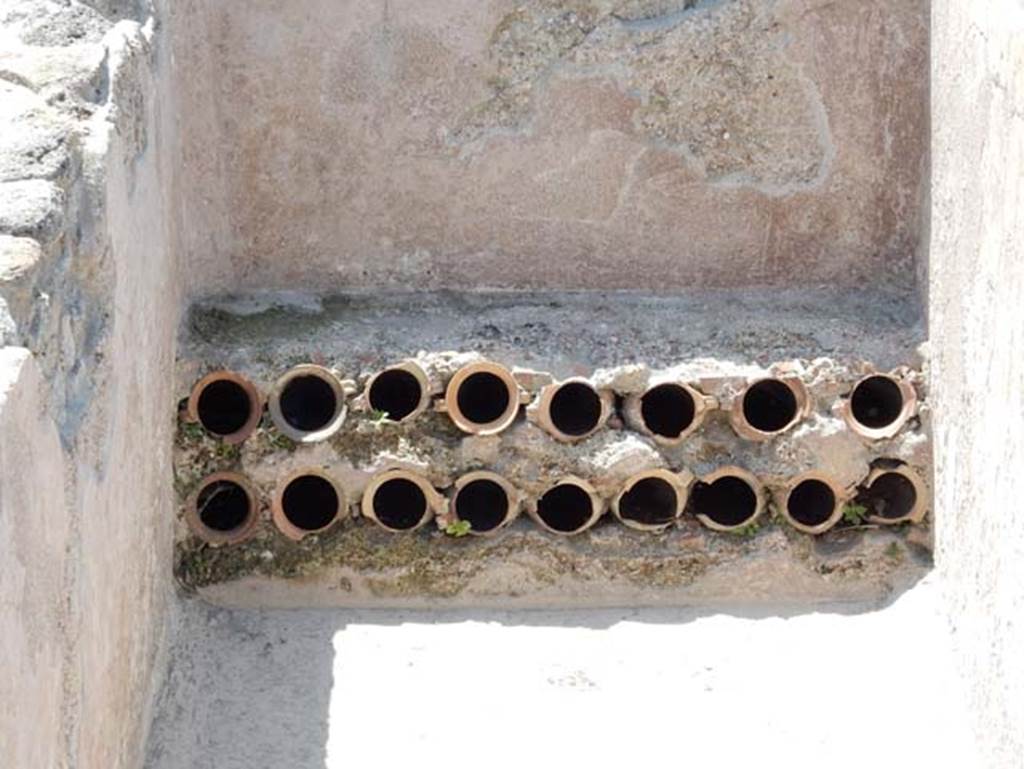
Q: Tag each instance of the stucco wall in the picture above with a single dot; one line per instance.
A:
(977, 333)
(549, 143)
(88, 311)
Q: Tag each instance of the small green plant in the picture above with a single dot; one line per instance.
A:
(458, 528)
(854, 513)
(283, 442)
(378, 416)
(193, 431)
(228, 451)
(894, 552)
(747, 531)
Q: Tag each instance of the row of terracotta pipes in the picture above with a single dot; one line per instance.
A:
(225, 507)
(309, 403)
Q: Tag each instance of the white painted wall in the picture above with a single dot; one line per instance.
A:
(977, 338)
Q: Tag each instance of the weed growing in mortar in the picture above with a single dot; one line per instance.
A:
(854, 513)
(458, 528)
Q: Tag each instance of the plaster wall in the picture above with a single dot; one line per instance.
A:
(977, 332)
(89, 306)
(547, 144)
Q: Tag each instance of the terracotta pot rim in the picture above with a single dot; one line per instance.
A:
(277, 514)
(680, 482)
(907, 410)
(842, 496)
(746, 430)
(212, 536)
(340, 409)
(511, 493)
(920, 508)
(702, 405)
(597, 505)
(434, 500)
(495, 426)
(756, 485)
(256, 402)
(540, 411)
(420, 375)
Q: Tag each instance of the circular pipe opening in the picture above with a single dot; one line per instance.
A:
(876, 402)
(306, 503)
(770, 406)
(725, 502)
(308, 403)
(890, 496)
(399, 501)
(575, 409)
(482, 398)
(226, 405)
(668, 410)
(396, 392)
(483, 500)
(223, 509)
(567, 508)
(811, 503)
(650, 501)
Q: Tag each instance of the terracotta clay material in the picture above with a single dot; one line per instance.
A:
(307, 403)
(400, 501)
(728, 499)
(668, 411)
(402, 392)
(486, 500)
(879, 405)
(811, 502)
(223, 509)
(482, 398)
(893, 495)
(570, 506)
(307, 501)
(571, 410)
(652, 500)
(226, 404)
(769, 407)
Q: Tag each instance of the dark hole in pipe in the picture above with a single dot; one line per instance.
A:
(769, 405)
(224, 407)
(811, 502)
(890, 496)
(310, 502)
(223, 506)
(483, 397)
(395, 392)
(876, 402)
(308, 403)
(399, 503)
(483, 503)
(649, 500)
(575, 408)
(565, 508)
(667, 410)
(729, 501)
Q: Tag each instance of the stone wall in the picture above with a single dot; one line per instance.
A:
(90, 306)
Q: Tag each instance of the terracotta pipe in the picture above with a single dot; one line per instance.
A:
(652, 500)
(401, 392)
(223, 509)
(668, 412)
(571, 410)
(482, 398)
(484, 499)
(728, 499)
(400, 501)
(879, 405)
(307, 502)
(307, 403)
(226, 404)
(570, 506)
(768, 407)
(893, 495)
(811, 502)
